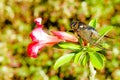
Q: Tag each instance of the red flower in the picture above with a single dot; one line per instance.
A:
(33, 48)
(41, 39)
(65, 36)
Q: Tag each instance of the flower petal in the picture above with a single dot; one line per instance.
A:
(33, 48)
(39, 35)
(65, 36)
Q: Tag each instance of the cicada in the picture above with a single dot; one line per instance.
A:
(86, 32)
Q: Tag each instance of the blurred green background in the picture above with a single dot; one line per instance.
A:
(17, 21)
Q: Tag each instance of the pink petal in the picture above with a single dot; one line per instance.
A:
(39, 35)
(33, 49)
(65, 36)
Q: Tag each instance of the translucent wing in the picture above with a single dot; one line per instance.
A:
(88, 34)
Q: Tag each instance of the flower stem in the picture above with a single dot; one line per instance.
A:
(92, 72)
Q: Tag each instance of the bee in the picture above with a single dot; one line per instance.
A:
(86, 32)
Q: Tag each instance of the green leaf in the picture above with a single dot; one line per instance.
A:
(77, 56)
(63, 60)
(66, 45)
(91, 49)
(104, 30)
(85, 59)
(97, 60)
(102, 56)
(92, 23)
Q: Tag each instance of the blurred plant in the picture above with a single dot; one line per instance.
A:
(82, 54)
(16, 22)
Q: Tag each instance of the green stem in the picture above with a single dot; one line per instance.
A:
(92, 72)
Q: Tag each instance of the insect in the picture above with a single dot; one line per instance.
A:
(86, 32)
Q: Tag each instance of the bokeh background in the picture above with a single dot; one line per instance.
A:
(17, 21)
